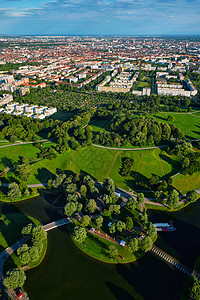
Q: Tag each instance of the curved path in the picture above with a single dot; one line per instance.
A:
(24, 143)
(129, 149)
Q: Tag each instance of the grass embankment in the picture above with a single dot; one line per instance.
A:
(10, 233)
(4, 198)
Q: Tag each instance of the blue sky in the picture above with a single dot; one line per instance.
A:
(120, 17)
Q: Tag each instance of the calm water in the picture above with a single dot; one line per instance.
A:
(67, 273)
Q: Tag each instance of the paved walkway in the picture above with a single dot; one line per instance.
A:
(24, 143)
(130, 149)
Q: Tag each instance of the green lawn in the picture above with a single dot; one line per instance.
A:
(142, 84)
(187, 182)
(189, 124)
(100, 125)
(11, 226)
(98, 248)
(101, 163)
(62, 116)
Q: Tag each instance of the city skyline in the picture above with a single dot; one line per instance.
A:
(83, 17)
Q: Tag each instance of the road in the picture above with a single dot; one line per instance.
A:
(24, 143)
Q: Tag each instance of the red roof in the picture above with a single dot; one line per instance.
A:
(19, 295)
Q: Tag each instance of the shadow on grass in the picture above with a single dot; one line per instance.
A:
(176, 166)
(161, 118)
(43, 175)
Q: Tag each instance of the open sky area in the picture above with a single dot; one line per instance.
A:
(94, 17)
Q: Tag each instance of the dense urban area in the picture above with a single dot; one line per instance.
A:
(100, 137)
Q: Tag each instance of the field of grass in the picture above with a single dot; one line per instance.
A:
(100, 125)
(62, 116)
(186, 122)
(142, 84)
(187, 182)
(100, 163)
(97, 162)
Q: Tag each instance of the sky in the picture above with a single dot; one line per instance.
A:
(100, 17)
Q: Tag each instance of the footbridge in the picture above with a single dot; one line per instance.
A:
(170, 260)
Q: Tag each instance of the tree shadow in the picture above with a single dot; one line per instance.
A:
(176, 167)
(139, 181)
(118, 292)
(84, 173)
(7, 162)
(196, 132)
(43, 175)
(161, 118)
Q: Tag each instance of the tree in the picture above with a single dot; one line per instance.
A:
(185, 163)
(109, 185)
(38, 245)
(34, 253)
(173, 199)
(86, 220)
(195, 290)
(114, 208)
(27, 230)
(99, 221)
(26, 193)
(121, 226)
(152, 231)
(70, 209)
(24, 171)
(129, 223)
(159, 196)
(113, 252)
(170, 118)
(133, 245)
(13, 139)
(14, 191)
(56, 183)
(79, 234)
(140, 198)
(91, 206)
(192, 196)
(23, 253)
(154, 180)
(71, 188)
(83, 190)
(112, 228)
(146, 244)
(131, 204)
(39, 234)
(14, 278)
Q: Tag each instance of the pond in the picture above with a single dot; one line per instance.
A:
(67, 273)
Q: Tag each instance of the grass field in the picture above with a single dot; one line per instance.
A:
(142, 84)
(97, 162)
(187, 182)
(100, 125)
(11, 226)
(186, 122)
(62, 116)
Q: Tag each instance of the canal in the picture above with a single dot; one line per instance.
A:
(67, 273)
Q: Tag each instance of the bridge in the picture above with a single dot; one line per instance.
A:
(172, 261)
